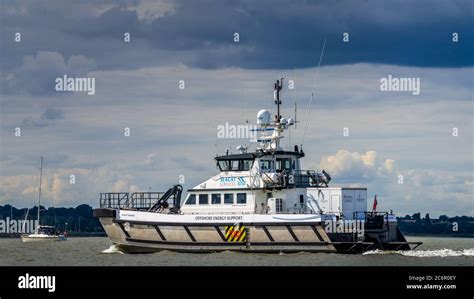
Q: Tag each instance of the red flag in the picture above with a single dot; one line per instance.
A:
(374, 208)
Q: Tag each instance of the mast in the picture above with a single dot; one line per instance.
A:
(276, 96)
(39, 193)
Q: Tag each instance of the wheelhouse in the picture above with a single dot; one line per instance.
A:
(240, 162)
(279, 161)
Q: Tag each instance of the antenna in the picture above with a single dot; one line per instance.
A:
(289, 138)
(296, 119)
(312, 91)
(276, 97)
(294, 89)
(39, 193)
(246, 119)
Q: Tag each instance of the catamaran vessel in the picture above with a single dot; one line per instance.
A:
(42, 232)
(260, 201)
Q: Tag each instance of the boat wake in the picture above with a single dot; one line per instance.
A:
(112, 249)
(426, 253)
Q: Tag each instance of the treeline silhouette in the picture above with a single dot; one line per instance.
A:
(462, 226)
(76, 221)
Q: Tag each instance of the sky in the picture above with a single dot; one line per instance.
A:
(173, 131)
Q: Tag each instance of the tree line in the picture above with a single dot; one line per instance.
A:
(462, 226)
(74, 220)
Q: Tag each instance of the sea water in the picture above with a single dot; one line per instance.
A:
(435, 251)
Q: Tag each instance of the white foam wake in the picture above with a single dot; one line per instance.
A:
(112, 249)
(445, 252)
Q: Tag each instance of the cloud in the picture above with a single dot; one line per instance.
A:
(427, 190)
(150, 10)
(173, 132)
(152, 160)
(37, 73)
(30, 122)
(433, 190)
(390, 133)
(57, 189)
(347, 166)
(52, 113)
(49, 116)
(273, 34)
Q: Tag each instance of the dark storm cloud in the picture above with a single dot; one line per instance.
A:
(283, 34)
(52, 113)
(30, 122)
(37, 74)
(273, 34)
(48, 117)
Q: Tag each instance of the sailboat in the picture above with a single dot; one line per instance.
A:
(43, 232)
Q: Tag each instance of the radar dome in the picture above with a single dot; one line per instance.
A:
(263, 118)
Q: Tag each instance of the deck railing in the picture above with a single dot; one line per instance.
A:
(125, 200)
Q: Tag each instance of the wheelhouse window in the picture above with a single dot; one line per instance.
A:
(287, 165)
(224, 165)
(191, 199)
(203, 199)
(266, 165)
(247, 164)
(228, 198)
(283, 164)
(216, 199)
(241, 198)
(235, 165)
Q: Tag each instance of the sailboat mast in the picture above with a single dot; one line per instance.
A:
(39, 192)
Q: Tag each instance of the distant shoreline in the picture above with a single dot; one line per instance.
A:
(73, 235)
(439, 235)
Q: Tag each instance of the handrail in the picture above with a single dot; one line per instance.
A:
(125, 200)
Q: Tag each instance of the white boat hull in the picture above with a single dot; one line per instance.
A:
(135, 231)
(138, 231)
(42, 238)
